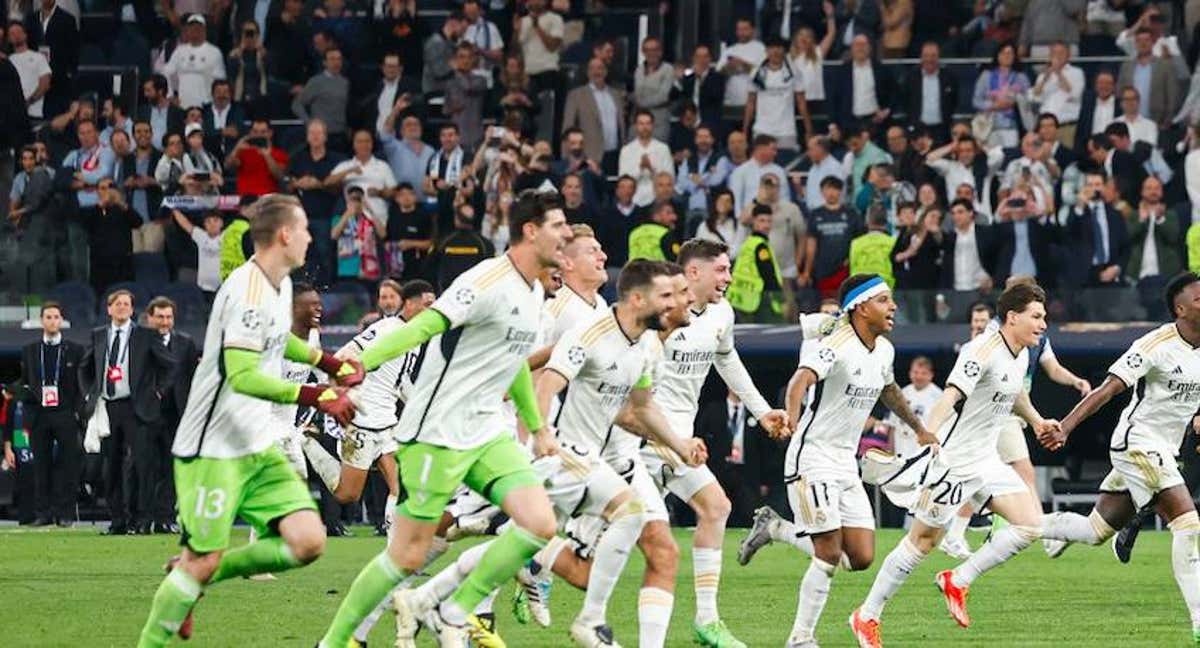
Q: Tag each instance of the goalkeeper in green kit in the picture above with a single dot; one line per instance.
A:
(226, 462)
(481, 330)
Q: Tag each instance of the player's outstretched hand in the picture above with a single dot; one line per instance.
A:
(929, 440)
(776, 423)
(328, 400)
(545, 443)
(1051, 435)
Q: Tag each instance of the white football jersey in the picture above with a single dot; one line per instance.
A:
(602, 365)
(248, 313)
(1163, 371)
(299, 373)
(494, 315)
(920, 401)
(850, 378)
(990, 374)
(567, 309)
(391, 382)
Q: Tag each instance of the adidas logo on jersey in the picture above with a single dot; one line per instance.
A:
(1177, 371)
(858, 372)
(679, 337)
(612, 368)
(1004, 378)
(515, 311)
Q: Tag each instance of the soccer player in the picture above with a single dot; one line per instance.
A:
(306, 324)
(984, 388)
(1163, 369)
(843, 374)
(489, 319)
(369, 440)
(226, 464)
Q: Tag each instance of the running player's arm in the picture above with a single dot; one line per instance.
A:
(1023, 407)
(1127, 371)
(539, 358)
(893, 398)
(1060, 374)
(523, 396)
(346, 372)
(415, 332)
(729, 366)
(651, 424)
(817, 359)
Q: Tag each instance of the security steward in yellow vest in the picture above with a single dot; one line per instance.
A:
(655, 239)
(756, 292)
(871, 253)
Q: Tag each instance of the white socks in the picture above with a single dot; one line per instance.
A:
(654, 616)
(546, 557)
(786, 532)
(892, 574)
(1073, 527)
(1185, 561)
(1005, 544)
(389, 517)
(706, 570)
(958, 527)
(612, 552)
(814, 591)
(328, 467)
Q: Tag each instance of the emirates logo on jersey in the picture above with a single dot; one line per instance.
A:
(1134, 360)
(971, 369)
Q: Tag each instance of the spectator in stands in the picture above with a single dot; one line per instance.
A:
(1022, 240)
(932, 105)
(194, 64)
(109, 225)
(516, 92)
(199, 166)
(288, 35)
(1049, 23)
(485, 36)
(775, 98)
(1061, 149)
(996, 93)
(1153, 79)
(1138, 127)
(409, 156)
(123, 370)
(447, 167)
(162, 115)
(309, 169)
(738, 62)
(222, 119)
(168, 173)
(208, 248)
(655, 238)
(1154, 239)
(968, 251)
(863, 155)
(1163, 46)
(863, 87)
(821, 165)
(32, 67)
(575, 161)
(603, 49)
(55, 33)
(1035, 164)
(871, 252)
(394, 92)
(699, 174)
(652, 83)
(1097, 232)
(703, 86)
(616, 221)
(1099, 108)
(1059, 89)
(664, 192)
(788, 228)
(259, 163)
(116, 120)
(142, 191)
(325, 97)
(122, 147)
(578, 210)
(88, 165)
(32, 211)
(52, 400)
(909, 162)
(598, 111)
(807, 56)
(367, 172)
(185, 355)
(357, 231)
(721, 224)
(540, 35)
(644, 157)
(876, 188)
(960, 163)
(396, 28)
(744, 179)
(1117, 164)
(917, 255)
(409, 235)
(831, 227)
(459, 250)
(248, 70)
(465, 91)
(896, 17)
(439, 54)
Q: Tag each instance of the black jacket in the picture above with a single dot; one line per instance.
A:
(151, 371)
(62, 37)
(1129, 175)
(712, 95)
(127, 168)
(913, 98)
(843, 91)
(1086, 111)
(1040, 239)
(1080, 239)
(175, 117)
(984, 245)
(69, 393)
(214, 141)
(367, 109)
(186, 356)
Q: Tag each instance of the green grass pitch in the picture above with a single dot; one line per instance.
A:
(74, 588)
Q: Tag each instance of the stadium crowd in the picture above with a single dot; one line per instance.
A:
(407, 131)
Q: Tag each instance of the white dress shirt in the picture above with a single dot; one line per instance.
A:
(931, 99)
(737, 86)
(1141, 129)
(865, 102)
(968, 269)
(121, 388)
(1104, 114)
(1058, 101)
(630, 163)
(607, 109)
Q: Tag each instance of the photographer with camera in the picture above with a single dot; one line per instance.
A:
(1022, 238)
(1097, 232)
(259, 164)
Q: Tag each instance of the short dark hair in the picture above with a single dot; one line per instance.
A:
(449, 126)
(763, 140)
(160, 302)
(572, 131)
(1176, 286)
(962, 202)
(217, 83)
(853, 282)
(1017, 298)
(48, 305)
(531, 207)
(983, 306)
(1101, 141)
(702, 249)
(1047, 115)
(415, 288)
(672, 268)
(762, 210)
(642, 111)
(301, 287)
(1117, 129)
(833, 181)
(159, 81)
(637, 274)
(922, 361)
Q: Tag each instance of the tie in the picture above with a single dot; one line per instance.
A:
(1099, 254)
(110, 387)
(50, 355)
(733, 424)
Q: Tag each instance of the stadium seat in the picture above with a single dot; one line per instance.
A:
(79, 301)
(345, 303)
(151, 268)
(191, 307)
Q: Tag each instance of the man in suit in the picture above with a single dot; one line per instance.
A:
(186, 355)
(162, 115)
(968, 259)
(222, 120)
(52, 399)
(704, 86)
(932, 94)
(1120, 165)
(1022, 242)
(126, 371)
(730, 432)
(1048, 130)
(1154, 79)
(392, 85)
(862, 87)
(1097, 233)
(55, 33)
(1099, 108)
(599, 111)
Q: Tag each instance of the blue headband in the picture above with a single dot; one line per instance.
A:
(862, 293)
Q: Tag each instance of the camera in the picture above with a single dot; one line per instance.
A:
(257, 142)
(1016, 203)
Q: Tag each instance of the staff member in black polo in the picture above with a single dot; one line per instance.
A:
(52, 400)
(161, 313)
(128, 368)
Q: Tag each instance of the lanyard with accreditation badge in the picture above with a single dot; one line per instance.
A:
(115, 373)
(50, 390)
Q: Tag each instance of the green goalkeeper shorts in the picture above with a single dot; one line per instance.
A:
(431, 474)
(261, 488)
